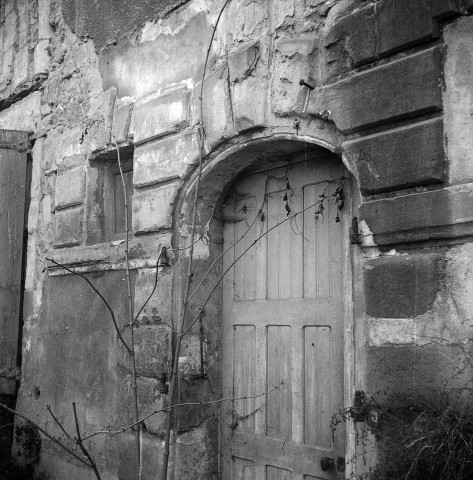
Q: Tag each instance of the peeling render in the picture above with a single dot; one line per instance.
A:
(392, 102)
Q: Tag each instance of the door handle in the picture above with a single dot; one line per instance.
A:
(327, 463)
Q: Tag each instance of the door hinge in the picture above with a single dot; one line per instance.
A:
(355, 237)
(359, 413)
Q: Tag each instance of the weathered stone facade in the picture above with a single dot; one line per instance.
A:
(393, 98)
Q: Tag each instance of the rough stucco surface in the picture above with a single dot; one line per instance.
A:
(86, 18)
(135, 69)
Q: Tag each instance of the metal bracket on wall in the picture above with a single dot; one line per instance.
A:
(355, 237)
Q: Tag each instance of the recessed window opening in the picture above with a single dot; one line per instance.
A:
(119, 209)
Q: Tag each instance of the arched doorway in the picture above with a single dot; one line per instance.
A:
(283, 321)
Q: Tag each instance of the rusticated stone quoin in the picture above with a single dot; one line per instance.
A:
(377, 96)
(402, 286)
(446, 213)
(389, 26)
(399, 158)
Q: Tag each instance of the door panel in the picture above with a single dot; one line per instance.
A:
(283, 324)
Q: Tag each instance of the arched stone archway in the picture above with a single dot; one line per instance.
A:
(220, 170)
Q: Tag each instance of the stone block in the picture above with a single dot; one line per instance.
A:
(249, 103)
(70, 188)
(152, 208)
(441, 9)
(458, 101)
(302, 45)
(190, 356)
(150, 400)
(249, 88)
(160, 116)
(165, 159)
(101, 106)
(243, 62)
(193, 390)
(377, 96)
(402, 286)
(197, 451)
(122, 118)
(399, 158)
(160, 58)
(403, 23)
(153, 350)
(359, 32)
(287, 96)
(468, 5)
(121, 456)
(68, 227)
(7, 65)
(24, 115)
(217, 115)
(439, 214)
(389, 26)
(434, 371)
(10, 30)
(159, 307)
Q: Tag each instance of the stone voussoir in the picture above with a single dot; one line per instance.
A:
(217, 113)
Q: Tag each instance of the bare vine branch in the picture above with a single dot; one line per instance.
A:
(81, 445)
(48, 408)
(184, 404)
(109, 308)
(46, 434)
(131, 306)
(217, 283)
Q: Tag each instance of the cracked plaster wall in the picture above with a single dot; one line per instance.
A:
(139, 78)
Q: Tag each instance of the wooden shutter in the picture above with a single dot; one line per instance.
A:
(13, 159)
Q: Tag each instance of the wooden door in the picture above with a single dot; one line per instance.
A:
(283, 324)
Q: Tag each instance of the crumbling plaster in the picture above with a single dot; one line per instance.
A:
(140, 77)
